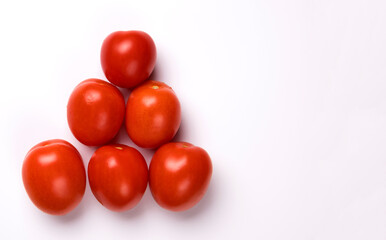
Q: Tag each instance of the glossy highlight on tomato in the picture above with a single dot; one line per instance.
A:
(54, 176)
(128, 57)
(118, 176)
(153, 114)
(95, 112)
(179, 175)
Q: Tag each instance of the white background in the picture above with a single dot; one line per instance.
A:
(287, 97)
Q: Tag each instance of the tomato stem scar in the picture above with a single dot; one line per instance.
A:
(119, 148)
(155, 87)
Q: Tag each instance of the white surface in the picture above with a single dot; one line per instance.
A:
(288, 98)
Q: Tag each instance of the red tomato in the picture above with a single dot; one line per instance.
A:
(153, 114)
(128, 57)
(179, 175)
(118, 176)
(54, 176)
(95, 112)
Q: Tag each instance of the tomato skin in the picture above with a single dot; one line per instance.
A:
(128, 57)
(179, 175)
(118, 176)
(153, 114)
(54, 176)
(95, 112)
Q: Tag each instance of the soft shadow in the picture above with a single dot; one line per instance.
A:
(72, 216)
(155, 75)
(147, 154)
(182, 133)
(138, 210)
(122, 137)
(125, 92)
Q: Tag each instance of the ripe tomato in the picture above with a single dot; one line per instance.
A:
(95, 112)
(179, 175)
(128, 57)
(153, 114)
(118, 176)
(54, 176)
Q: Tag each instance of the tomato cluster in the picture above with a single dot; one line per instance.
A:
(53, 172)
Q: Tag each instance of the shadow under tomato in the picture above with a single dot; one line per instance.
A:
(125, 92)
(182, 133)
(155, 75)
(122, 137)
